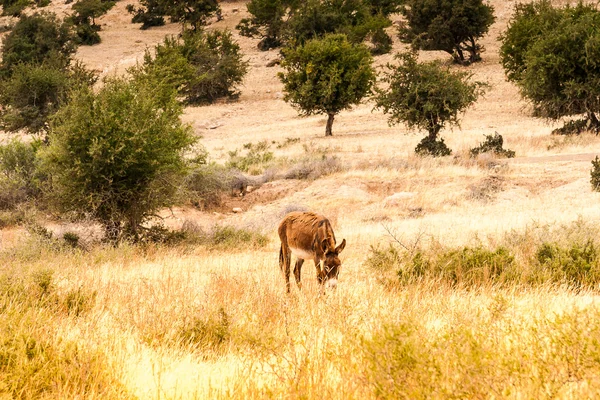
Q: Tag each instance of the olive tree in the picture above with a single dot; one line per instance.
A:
(426, 96)
(117, 155)
(453, 26)
(326, 76)
(553, 56)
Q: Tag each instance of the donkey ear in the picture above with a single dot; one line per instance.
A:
(340, 247)
(325, 245)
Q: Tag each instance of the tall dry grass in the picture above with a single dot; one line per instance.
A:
(199, 322)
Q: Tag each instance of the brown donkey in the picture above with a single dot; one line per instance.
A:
(309, 236)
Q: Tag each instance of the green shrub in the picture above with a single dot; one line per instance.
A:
(257, 156)
(84, 19)
(382, 42)
(34, 93)
(151, 13)
(196, 13)
(467, 266)
(37, 38)
(595, 175)
(268, 20)
(202, 67)
(117, 155)
(19, 180)
(205, 185)
(429, 146)
(229, 237)
(492, 144)
(577, 265)
(14, 7)
(316, 19)
(311, 168)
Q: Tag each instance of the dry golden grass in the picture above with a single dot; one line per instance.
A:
(183, 323)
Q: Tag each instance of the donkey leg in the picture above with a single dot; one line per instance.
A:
(297, 272)
(284, 263)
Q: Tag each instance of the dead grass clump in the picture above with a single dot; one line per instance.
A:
(487, 188)
(311, 169)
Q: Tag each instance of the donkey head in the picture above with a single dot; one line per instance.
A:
(331, 263)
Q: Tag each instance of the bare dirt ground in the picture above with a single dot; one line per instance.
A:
(548, 181)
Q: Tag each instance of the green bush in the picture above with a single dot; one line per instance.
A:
(426, 96)
(577, 265)
(34, 92)
(566, 83)
(117, 155)
(202, 67)
(316, 19)
(196, 13)
(268, 20)
(257, 156)
(492, 144)
(229, 237)
(14, 7)
(429, 146)
(84, 17)
(151, 13)
(204, 330)
(206, 185)
(453, 26)
(595, 174)
(19, 179)
(35, 39)
(326, 76)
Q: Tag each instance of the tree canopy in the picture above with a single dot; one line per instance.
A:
(453, 26)
(553, 55)
(326, 76)
(426, 96)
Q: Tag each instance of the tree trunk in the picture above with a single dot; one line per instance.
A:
(593, 122)
(328, 131)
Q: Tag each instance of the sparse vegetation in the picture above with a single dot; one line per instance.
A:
(572, 263)
(256, 159)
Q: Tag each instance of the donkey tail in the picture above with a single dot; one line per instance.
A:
(281, 256)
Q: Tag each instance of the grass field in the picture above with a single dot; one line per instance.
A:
(213, 320)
